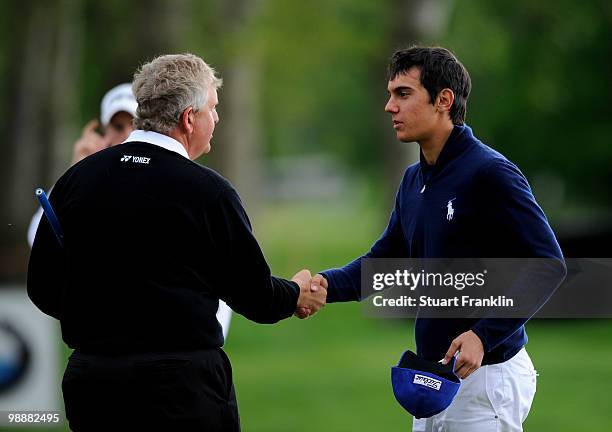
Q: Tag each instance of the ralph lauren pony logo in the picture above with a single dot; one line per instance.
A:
(450, 211)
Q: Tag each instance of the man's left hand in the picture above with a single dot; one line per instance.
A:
(470, 355)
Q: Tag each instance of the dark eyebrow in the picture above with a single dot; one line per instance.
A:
(402, 88)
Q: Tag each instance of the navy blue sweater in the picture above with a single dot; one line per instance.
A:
(495, 216)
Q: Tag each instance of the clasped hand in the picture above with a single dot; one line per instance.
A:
(313, 293)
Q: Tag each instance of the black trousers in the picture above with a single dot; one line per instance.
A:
(181, 391)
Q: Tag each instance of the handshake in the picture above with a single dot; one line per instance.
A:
(313, 293)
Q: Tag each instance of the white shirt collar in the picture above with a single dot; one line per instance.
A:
(157, 139)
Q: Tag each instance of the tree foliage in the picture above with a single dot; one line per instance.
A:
(313, 74)
(541, 85)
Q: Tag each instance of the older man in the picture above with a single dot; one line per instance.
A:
(137, 296)
(117, 112)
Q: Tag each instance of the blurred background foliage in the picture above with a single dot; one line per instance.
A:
(306, 81)
(304, 137)
(541, 74)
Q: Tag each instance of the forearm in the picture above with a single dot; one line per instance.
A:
(272, 301)
(344, 284)
(533, 286)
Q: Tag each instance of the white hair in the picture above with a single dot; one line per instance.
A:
(167, 86)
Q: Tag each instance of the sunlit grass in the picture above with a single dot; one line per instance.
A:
(331, 372)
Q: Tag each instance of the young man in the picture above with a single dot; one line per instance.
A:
(462, 200)
(137, 296)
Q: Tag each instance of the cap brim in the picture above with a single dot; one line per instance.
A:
(121, 105)
(410, 360)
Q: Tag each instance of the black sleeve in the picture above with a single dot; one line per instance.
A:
(47, 267)
(243, 277)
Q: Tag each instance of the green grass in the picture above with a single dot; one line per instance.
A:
(574, 361)
(329, 373)
(332, 371)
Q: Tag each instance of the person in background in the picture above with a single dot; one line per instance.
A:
(117, 111)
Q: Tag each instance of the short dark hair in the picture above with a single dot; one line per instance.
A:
(440, 69)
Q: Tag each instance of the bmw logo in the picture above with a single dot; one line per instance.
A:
(14, 357)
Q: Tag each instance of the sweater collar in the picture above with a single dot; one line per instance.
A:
(157, 139)
(458, 140)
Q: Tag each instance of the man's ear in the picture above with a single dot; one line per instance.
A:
(187, 120)
(445, 100)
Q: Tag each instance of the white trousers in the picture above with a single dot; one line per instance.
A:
(495, 398)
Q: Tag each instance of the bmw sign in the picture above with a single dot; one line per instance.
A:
(14, 357)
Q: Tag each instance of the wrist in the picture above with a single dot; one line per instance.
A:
(478, 335)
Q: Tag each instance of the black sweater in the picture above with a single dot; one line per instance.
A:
(151, 243)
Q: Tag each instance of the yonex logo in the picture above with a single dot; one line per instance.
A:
(427, 381)
(135, 159)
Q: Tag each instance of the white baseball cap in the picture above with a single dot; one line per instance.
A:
(117, 99)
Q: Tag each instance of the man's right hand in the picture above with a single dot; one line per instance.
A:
(317, 283)
(89, 143)
(310, 300)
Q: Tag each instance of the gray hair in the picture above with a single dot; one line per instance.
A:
(167, 86)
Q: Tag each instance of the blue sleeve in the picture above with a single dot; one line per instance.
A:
(515, 208)
(345, 283)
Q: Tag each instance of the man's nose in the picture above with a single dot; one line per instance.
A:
(391, 106)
